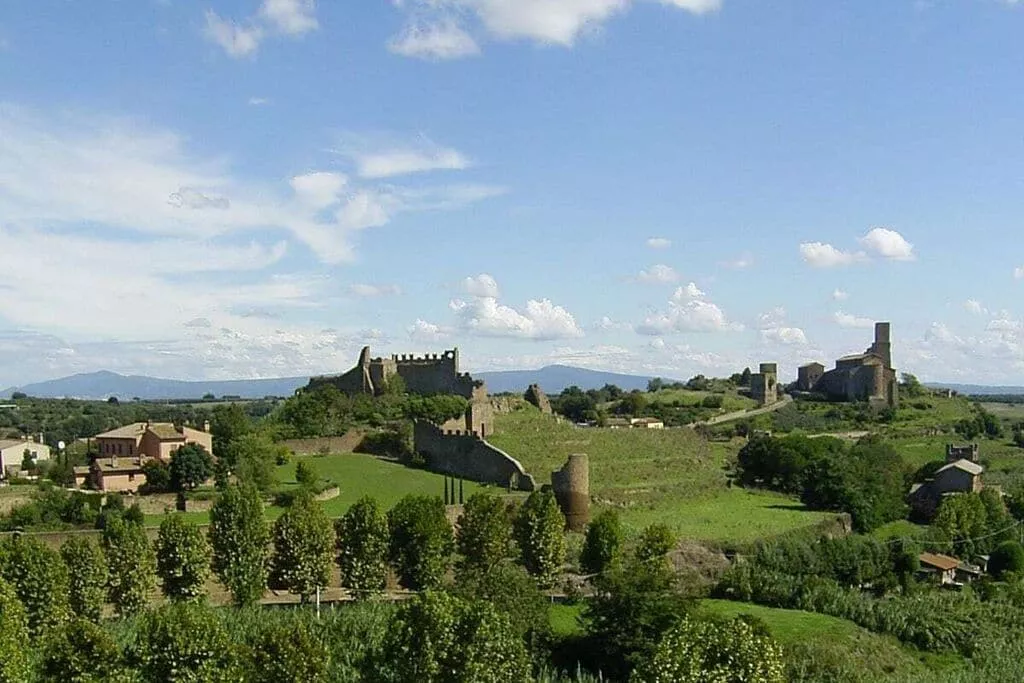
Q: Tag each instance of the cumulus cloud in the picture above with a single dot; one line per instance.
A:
(424, 331)
(659, 243)
(292, 18)
(888, 244)
(840, 295)
(688, 311)
(774, 329)
(607, 324)
(484, 315)
(822, 255)
(482, 285)
(851, 321)
(543, 21)
(369, 291)
(659, 274)
(440, 40)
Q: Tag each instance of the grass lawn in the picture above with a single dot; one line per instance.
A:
(901, 528)
(731, 402)
(564, 620)
(729, 516)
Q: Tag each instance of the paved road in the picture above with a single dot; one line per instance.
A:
(741, 414)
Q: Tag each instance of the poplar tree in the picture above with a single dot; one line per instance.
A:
(239, 535)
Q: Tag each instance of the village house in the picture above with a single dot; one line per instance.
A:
(940, 568)
(123, 452)
(12, 453)
(959, 476)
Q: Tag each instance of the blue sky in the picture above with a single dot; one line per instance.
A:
(246, 188)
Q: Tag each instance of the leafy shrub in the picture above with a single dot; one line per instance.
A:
(602, 542)
(1007, 558)
(82, 652)
(292, 653)
(182, 642)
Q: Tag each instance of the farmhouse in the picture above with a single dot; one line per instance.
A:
(959, 476)
(941, 568)
(12, 453)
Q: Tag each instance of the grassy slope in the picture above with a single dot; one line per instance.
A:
(670, 476)
(730, 401)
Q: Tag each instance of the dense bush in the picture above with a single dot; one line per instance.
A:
(1007, 558)
(82, 652)
(182, 642)
(289, 653)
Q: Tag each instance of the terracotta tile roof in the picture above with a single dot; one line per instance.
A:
(943, 562)
(165, 431)
(965, 465)
(132, 431)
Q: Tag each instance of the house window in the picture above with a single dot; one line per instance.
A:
(119, 447)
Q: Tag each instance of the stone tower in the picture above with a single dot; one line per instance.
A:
(764, 386)
(571, 485)
(883, 344)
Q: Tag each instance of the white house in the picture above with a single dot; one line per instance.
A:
(12, 453)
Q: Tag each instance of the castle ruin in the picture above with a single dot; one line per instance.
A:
(867, 376)
(458, 447)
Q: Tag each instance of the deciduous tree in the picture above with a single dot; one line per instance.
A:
(131, 565)
(421, 541)
(15, 666)
(182, 643)
(82, 652)
(539, 533)
(182, 559)
(289, 653)
(363, 547)
(483, 536)
(87, 575)
(40, 580)
(239, 535)
(602, 542)
(191, 465)
(304, 543)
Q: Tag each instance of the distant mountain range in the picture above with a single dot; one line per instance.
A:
(552, 379)
(104, 384)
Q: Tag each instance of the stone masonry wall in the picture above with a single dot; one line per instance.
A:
(469, 456)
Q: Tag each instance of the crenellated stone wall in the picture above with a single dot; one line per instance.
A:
(466, 454)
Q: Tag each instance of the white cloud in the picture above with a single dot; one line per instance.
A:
(1018, 273)
(235, 39)
(424, 331)
(377, 157)
(606, 324)
(852, 321)
(440, 40)
(541, 320)
(688, 311)
(658, 274)
(840, 295)
(784, 335)
(368, 291)
(292, 17)
(319, 190)
(258, 101)
(974, 306)
(822, 255)
(773, 318)
(560, 22)
(659, 243)
(888, 244)
(482, 285)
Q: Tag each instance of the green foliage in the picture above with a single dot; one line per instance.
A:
(362, 535)
(39, 579)
(304, 543)
(191, 465)
(439, 638)
(437, 409)
(656, 541)
(82, 652)
(306, 475)
(510, 589)
(484, 533)
(982, 423)
(158, 476)
(131, 565)
(14, 634)
(393, 442)
(575, 405)
(1006, 559)
(696, 651)
(87, 575)
(910, 386)
(289, 653)
(633, 403)
(421, 541)
(52, 508)
(539, 533)
(182, 559)
(253, 458)
(602, 542)
(182, 642)
(960, 519)
(713, 401)
(635, 603)
(229, 423)
(239, 535)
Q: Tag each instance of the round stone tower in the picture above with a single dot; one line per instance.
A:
(571, 485)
